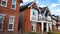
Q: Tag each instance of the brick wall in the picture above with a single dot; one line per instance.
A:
(27, 23)
(10, 12)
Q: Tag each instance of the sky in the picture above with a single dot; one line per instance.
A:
(53, 5)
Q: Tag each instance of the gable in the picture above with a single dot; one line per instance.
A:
(34, 5)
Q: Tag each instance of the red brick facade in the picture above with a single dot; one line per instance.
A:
(27, 23)
(10, 12)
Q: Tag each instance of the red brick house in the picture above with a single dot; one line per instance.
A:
(31, 21)
(29, 14)
(9, 15)
(30, 18)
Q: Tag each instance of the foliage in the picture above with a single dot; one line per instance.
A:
(32, 32)
(58, 33)
(51, 32)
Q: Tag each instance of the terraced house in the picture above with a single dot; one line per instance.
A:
(27, 18)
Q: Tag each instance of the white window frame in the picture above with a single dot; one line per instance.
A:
(31, 15)
(2, 21)
(34, 26)
(15, 5)
(6, 3)
(11, 23)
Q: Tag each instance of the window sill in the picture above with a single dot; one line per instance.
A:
(10, 29)
(3, 5)
(13, 8)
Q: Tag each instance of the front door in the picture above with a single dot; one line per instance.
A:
(45, 27)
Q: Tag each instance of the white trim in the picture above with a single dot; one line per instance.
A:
(47, 27)
(34, 26)
(31, 15)
(15, 5)
(11, 23)
(5, 5)
(31, 4)
(41, 21)
(2, 21)
(3, 14)
(42, 26)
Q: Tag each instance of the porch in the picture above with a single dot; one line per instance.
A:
(44, 26)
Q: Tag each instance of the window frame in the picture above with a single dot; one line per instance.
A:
(31, 14)
(2, 21)
(6, 3)
(14, 4)
(11, 23)
(33, 26)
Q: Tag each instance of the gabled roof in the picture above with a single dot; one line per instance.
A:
(45, 9)
(29, 5)
(42, 9)
(25, 6)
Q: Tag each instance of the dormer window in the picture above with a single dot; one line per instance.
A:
(4, 3)
(13, 4)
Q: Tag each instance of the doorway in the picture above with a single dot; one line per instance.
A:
(45, 27)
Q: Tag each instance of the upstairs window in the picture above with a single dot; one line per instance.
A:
(14, 4)
(34, 13)
(4, 3)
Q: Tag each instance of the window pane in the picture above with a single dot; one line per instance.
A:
(13, 6)
(3, 3)
(1, 18)
(10, 26)
(33, 13)
(11, 20)
(13, 3)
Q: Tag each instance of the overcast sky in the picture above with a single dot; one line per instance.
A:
(54, 5)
